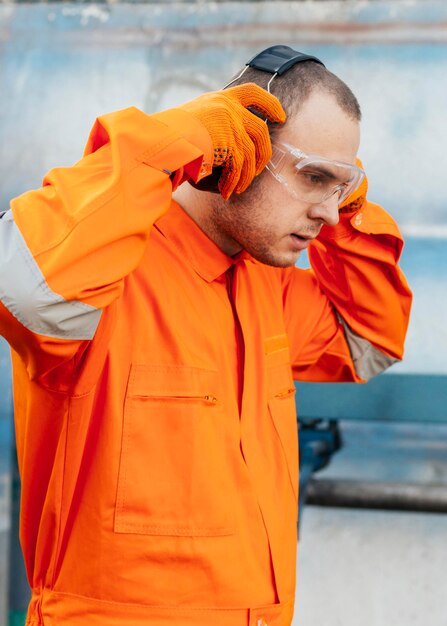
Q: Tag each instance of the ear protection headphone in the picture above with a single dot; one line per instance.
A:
(276, 60)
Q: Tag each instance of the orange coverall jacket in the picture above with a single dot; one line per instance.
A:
(153, 384)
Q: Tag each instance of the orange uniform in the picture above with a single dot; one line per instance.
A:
(153, 384)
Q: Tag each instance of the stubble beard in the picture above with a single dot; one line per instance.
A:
(241, 223)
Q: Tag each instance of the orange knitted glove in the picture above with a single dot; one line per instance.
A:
(356, 199)
(240, 138)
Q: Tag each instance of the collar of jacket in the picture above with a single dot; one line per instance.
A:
(205, 256)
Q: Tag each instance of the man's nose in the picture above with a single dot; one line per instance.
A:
(326, 211)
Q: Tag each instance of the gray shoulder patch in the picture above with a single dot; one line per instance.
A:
(368, 360)
(26, 294)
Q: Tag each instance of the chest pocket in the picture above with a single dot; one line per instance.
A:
(172, 478)
(281, 402)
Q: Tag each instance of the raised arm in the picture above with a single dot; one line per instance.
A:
(347, 317)
(66, 249)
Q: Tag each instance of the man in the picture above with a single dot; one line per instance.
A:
(155, 346)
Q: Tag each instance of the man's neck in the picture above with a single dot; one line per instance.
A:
(200, 206)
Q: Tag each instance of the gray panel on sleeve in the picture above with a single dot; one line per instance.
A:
(368, 360)
(26, 294)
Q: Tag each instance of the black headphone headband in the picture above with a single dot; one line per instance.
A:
(276, 60)
(279, 59)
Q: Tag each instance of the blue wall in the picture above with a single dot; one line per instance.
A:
(62, 64)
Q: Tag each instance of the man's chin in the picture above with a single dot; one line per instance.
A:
(278, 259)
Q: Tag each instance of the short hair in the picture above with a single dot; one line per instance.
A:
(294, 86)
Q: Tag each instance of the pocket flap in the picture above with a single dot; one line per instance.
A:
(171, 380)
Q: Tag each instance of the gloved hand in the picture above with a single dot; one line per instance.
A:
(356, 199)
(240, 139)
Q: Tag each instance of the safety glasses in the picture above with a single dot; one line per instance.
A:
(310, 177)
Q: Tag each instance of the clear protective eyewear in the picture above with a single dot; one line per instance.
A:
(310, 177)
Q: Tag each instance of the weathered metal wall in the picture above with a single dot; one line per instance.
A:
(63, 64)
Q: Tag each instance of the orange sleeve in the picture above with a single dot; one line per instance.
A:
(67, 247)
(347, 317)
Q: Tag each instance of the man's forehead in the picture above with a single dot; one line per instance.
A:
(321, 126)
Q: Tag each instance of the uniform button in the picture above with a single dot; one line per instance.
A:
(261, 622)
(358, 219)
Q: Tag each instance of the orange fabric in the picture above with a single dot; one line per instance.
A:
(240, 139)
(159, 460)
(356, 199)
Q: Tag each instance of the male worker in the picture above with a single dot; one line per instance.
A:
(155, 346)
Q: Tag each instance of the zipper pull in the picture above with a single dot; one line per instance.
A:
(211, 399)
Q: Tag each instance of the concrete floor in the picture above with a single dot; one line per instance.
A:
(377, 568)
(371, 568)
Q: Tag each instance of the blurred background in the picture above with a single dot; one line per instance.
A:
(378, 561)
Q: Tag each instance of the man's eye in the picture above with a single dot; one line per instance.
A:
(313, 178)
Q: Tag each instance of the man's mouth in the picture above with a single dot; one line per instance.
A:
(300, 242)
(302, 237)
